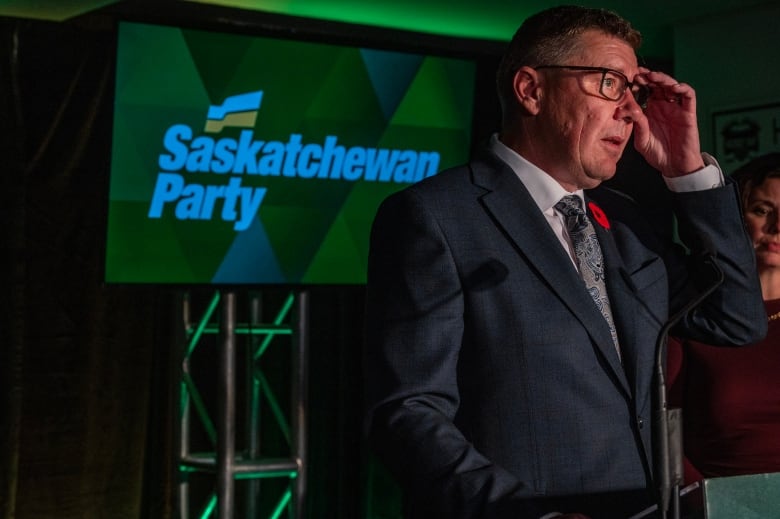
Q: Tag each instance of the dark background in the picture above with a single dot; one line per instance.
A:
(89, 372)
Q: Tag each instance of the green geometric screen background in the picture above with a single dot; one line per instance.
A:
(307, 230)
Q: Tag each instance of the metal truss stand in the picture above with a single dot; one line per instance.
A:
(227, 462)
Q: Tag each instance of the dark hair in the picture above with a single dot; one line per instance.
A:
(550, 37)
(754, 172)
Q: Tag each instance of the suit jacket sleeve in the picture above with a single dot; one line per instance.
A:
(734, 314)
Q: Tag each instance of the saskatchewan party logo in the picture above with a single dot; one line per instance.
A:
(239, 111)
(202, 176)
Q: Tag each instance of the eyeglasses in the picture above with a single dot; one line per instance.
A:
(613, 83)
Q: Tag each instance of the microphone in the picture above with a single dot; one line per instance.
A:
(668, 422)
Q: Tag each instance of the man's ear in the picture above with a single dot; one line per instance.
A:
(526, 85)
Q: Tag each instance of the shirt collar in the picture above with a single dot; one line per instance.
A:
(544, 190)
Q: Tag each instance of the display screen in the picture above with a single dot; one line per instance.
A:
(249, 160)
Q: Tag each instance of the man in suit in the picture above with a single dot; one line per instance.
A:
(501, 380)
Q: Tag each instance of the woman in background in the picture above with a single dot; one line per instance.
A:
(731, 396)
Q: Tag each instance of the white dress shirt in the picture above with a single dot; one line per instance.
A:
(546, 191)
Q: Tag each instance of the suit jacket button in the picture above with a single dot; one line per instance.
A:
(641, 422)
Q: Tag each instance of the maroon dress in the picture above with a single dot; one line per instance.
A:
(731, 404)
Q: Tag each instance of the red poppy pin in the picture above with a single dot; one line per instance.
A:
(598, 215)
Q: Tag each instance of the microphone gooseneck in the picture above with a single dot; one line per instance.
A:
(668, 422)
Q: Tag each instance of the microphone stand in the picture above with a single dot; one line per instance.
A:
(668, 422)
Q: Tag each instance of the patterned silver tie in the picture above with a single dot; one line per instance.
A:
(589, 257)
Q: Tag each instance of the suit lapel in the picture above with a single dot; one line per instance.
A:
(514, 210)
(637, 363)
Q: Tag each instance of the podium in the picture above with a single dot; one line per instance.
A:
(753, 496)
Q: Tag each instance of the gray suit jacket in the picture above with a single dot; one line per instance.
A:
(492, 384)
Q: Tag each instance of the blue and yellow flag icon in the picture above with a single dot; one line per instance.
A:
(236, 111)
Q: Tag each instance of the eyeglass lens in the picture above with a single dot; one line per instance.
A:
(613, 86)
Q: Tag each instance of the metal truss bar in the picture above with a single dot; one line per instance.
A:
(268, 467)
(226, 406)
(274, 404)
(209, 508)
(200, 407)
(277, 321)
(252, 412)
(226, 464)
(202, 324)
(299, 398)
(283, 502)
(248, 329)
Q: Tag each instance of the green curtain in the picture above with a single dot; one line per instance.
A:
(84, 368)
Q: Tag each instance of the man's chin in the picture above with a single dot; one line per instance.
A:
(594, 180)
